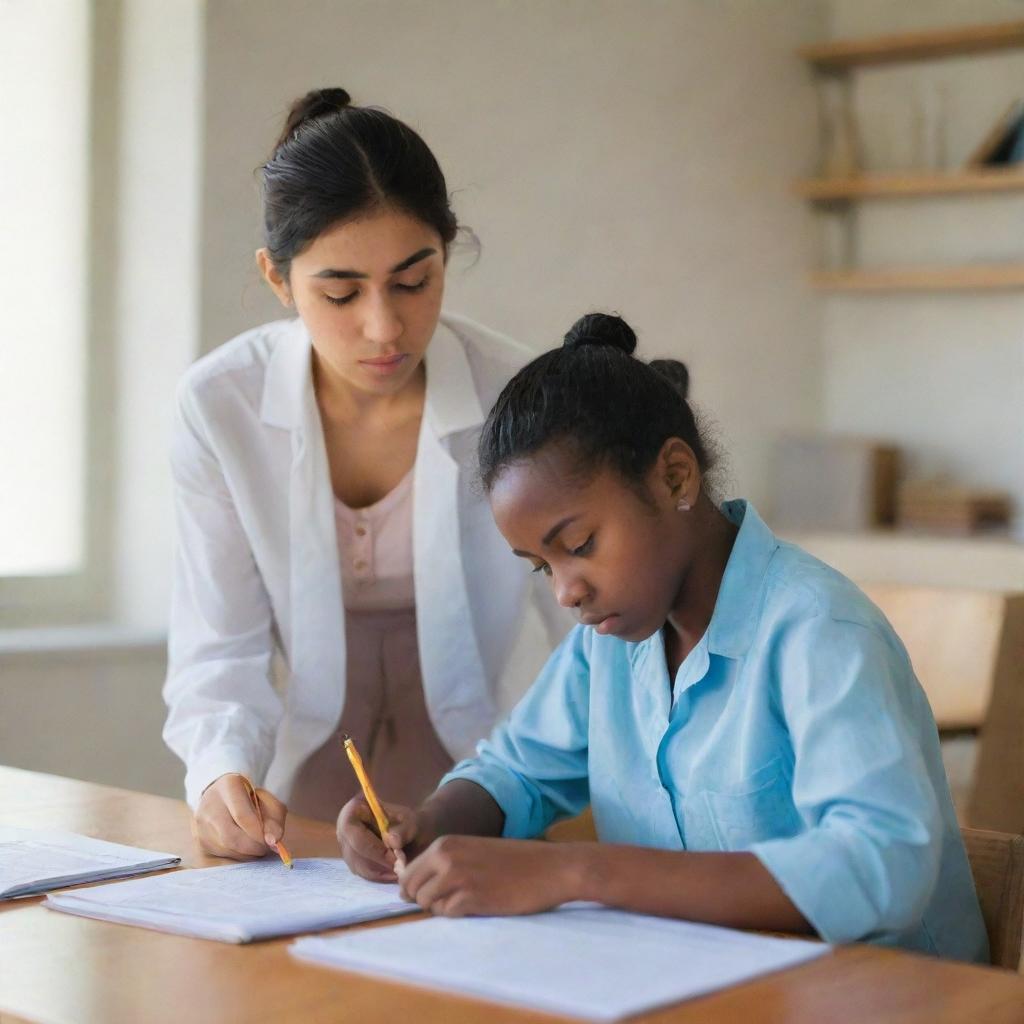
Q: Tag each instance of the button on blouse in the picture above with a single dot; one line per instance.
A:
(375, 547)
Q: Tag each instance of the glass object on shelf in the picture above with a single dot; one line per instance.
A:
(842, 152)
(929, 127)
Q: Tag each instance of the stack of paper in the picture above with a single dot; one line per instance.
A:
(580, 960)
(243, 902)
(37, 860)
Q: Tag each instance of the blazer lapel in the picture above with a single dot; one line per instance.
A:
(457, 690)
(455, 682)
(317, 647)
(318, 616)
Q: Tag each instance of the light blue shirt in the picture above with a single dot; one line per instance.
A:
(795, 730)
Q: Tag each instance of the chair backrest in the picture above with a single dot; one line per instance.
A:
(580, 829)
(967, 647)
(954, 637)
(997, 863)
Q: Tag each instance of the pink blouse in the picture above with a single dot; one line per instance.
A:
(375, 545)
(385, 707)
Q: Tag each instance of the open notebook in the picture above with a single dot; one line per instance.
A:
(241, 903)
(580, 961)
(38, 860)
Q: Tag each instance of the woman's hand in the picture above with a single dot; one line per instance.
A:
(363, 850)
(227, 825)
(462, 875)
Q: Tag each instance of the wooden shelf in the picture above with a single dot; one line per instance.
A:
(988, 561)
(840, 55)
(911, 185)
(922, 279)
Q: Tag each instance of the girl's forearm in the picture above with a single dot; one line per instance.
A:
(731, 889)
(460, 807)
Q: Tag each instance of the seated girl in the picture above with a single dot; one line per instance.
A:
(744, 723)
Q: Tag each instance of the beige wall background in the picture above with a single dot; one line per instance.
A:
(609, 155)
(942, 375)
(627, 156)
(86, 701)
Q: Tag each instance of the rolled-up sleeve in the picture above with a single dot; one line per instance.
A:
(534, 765)
(868, 862)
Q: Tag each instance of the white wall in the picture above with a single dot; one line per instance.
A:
(87, 704)
(89, 709)
(631, 156)
(609, 155)
(157, 268)
(628, 156)
(634, 156)
(942, 375)
(43, 336)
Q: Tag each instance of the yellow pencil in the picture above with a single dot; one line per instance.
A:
(282, 850)
(368, 791)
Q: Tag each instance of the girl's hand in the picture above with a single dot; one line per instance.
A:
(462, 875)
(226, 823)
(364, 851)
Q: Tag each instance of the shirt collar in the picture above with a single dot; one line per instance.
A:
(288, 382)
(735, 617)
(452, 403)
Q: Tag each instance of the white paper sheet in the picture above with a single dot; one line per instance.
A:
(580, 960)
(37, 860)
(242, 902)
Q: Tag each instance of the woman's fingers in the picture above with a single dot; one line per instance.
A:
(246, 819)
(227, 823)
(274, 815)
(220, 835)
(215, 848)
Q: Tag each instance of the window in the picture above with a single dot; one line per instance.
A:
(45, 549)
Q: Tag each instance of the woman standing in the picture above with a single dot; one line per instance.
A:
(327, 519)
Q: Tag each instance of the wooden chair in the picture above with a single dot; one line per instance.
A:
(574, 830)
(997, 863)
(967, 648)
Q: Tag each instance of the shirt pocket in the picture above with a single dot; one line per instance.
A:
(754, 809)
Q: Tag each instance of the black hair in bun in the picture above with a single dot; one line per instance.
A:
(334, 162)
(316, 103)
(675, 372)
(601, 329)
(593, 395)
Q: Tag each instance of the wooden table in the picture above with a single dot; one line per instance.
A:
(58, 968)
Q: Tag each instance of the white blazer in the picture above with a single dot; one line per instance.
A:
(257, 573)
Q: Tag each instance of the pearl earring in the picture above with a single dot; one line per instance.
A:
(683, 505)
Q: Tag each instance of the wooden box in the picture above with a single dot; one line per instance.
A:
(835, 483)
(948, 508)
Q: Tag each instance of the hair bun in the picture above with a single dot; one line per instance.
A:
(601, 329)
(316, 103)
(675, 372)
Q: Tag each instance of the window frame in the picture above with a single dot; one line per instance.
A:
(86, 594)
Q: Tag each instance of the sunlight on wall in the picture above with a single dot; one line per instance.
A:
(44, 51)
